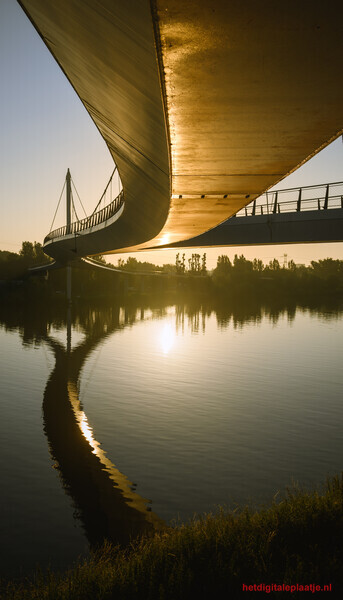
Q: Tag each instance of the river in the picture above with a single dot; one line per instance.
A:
(116, 419)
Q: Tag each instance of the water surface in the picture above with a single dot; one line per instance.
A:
(157, 412)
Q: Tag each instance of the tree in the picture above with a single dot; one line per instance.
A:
(33, 253)
(27, 250)
(203, 264)
(224, 265)
(131, 264)
(180, 264)
(257, 265)
(222, 272)
(194, 263)
(274, 265)
(242, 265)
(327, 266)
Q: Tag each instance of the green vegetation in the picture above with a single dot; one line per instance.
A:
(196, 264)
(253, 277)
(14, 266)
(134, 265)
(241, 277)
(296, 540)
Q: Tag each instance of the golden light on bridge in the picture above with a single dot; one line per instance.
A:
(165, 239)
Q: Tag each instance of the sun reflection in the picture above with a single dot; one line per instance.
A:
(167, 338)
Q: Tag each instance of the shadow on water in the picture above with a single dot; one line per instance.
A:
(105, 500)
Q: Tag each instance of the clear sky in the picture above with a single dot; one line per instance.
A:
(45, 129)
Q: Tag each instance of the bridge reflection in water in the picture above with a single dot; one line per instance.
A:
(104, 498)
(30, 489)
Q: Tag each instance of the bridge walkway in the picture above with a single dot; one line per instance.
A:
(295, 215)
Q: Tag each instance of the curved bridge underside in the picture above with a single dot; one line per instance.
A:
(203, 105)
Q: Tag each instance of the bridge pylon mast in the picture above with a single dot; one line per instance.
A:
(68, 200)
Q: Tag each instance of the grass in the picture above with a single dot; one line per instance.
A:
(296, 540)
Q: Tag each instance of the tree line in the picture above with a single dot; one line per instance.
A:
(230, 277)
(322, 276)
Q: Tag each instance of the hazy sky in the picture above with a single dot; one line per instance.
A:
(45, 130)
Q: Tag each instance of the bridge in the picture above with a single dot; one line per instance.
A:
(298, 215)
(203, 105)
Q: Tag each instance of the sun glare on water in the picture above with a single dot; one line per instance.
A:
(167, 338)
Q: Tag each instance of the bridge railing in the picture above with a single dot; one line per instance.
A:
(87, 223)
(318, 197)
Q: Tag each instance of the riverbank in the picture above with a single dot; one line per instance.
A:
(296, 541)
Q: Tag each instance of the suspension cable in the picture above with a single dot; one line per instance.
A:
(105, 190)
(58, 204)
(78, 198)
(74, 207)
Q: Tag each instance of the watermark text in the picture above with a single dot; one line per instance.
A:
(267, 588)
